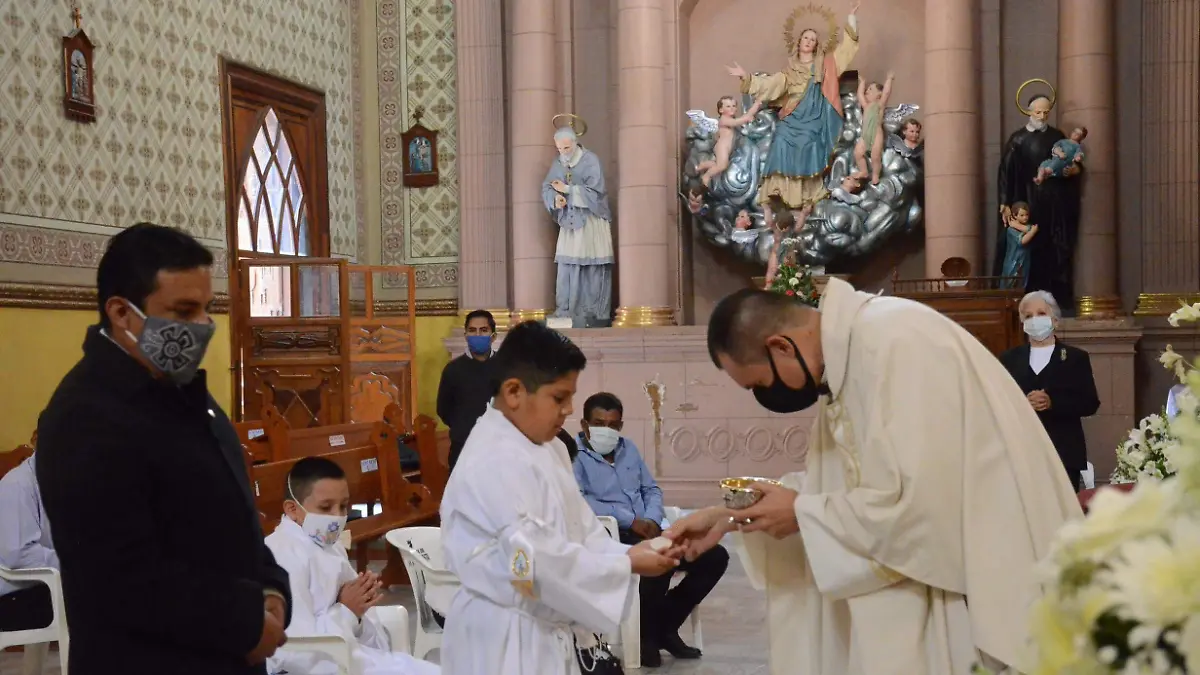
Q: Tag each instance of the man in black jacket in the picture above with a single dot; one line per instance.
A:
(164, 567)
(466, 385)
(1057, 379)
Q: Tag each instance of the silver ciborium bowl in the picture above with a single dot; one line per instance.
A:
(740, 493)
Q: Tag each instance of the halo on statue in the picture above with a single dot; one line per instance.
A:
(575, 122)
(1037, 80)
(789, 26)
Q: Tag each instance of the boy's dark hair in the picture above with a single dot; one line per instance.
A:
(572, 447)
(135, 256)
(305, 474)
(1019, 206)
(480, 314)
(602, 401)
(535, 355)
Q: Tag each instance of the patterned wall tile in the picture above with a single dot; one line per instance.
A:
(154, 152)
(417, 68)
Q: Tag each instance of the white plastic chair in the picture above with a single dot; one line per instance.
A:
(433, 585)
(1089, 476)
(37, 641)
(393, 618)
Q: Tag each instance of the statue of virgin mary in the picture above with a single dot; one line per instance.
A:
(810, 112)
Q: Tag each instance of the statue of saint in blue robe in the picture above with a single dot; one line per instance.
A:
(583, 289)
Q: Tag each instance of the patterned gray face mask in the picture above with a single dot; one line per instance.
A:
(174, 348)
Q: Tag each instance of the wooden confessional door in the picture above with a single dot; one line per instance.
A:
(294, 352)
(381, 344)
(276, 188)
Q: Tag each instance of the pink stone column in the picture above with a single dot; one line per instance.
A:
(533, 76)
(1086, 98)
(564, 16)
(1170, 128)
(482, 192)
(952, 135)
(643, 270)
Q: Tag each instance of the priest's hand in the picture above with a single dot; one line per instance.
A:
(774, 514)
(736, 70)
(559, 186)
(647, 562)
(272, 638)
(560, 202)
(701, 530)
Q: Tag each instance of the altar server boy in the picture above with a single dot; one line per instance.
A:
(328, 597)
(539, 574)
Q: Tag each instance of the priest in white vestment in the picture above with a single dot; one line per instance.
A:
(909, 545)
(539, 573)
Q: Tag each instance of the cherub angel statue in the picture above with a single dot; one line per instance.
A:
(725, 124)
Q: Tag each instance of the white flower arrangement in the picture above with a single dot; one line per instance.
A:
(1123, 584)
(1146, 453)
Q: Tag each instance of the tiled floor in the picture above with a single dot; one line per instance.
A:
(733, 616)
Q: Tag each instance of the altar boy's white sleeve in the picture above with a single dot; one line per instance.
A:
(592, 588)
(308, 618)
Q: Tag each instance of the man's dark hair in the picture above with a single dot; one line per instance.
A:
(602, 401)
(305, 474)
(741, 323)
(135, 256)
(480, 314)
(535, 355)
(572, 447)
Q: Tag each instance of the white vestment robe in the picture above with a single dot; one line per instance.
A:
(316, 575)
(538, 570)
(931, 493)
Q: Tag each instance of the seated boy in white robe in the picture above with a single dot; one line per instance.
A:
(328, 597)
(539, 574)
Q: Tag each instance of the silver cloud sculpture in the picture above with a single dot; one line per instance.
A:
(835, 228)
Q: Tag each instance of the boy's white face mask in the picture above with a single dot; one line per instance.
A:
(324, 529)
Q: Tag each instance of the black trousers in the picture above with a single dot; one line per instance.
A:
(26, 609)
(664, 609)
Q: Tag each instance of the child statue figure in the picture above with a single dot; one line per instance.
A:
(874, 99)
(726, 122)
(1065, 153)
(1017, 235)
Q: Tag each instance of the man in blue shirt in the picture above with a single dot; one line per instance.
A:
(616, 482)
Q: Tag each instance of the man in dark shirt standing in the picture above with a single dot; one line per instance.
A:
(164, 567)
(466, 385)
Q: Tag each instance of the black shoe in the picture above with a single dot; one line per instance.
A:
(651, 658)
(676, 647)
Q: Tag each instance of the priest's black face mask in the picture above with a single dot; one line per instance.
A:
(778, 397)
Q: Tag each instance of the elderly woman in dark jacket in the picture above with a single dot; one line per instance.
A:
(1057, 379)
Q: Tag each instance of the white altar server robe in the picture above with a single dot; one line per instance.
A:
(537, 569)
(316, 576)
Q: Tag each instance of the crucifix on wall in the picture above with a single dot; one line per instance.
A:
(79, 101)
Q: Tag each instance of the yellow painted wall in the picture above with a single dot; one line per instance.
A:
(431, 358)
(39, 346)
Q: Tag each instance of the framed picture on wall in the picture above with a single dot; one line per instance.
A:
(79, 96)
(420, 154)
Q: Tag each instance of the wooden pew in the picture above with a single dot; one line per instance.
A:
(374, 475)
(288, 443)
(254, 439)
